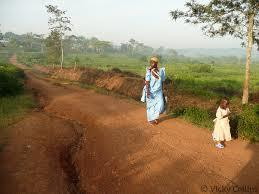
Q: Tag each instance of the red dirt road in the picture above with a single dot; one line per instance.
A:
(114, 150)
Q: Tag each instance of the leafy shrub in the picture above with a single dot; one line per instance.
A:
(11, 80)
(248, 123)
(198, 116)
(178, 111)
(201, 68)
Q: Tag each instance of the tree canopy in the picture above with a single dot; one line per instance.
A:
(237, 18)
(220, 18)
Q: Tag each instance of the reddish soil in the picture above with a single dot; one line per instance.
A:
(114, 150)
(34, 159)
(128, 84)
(41, 68)
(67, 74)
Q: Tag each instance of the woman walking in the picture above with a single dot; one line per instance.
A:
(153, 91)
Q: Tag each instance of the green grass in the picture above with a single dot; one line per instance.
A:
(4, 57)
(224, 80)
(108, 62)
(30, 58)
(248, 123)
(13, 108)
(195, 115)
(244, 125)
(198, 116)
(198, 79)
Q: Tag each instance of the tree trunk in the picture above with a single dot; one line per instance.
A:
(62, 54)
(248, 58)
(75, 66)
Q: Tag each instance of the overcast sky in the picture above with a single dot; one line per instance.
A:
(147, 21)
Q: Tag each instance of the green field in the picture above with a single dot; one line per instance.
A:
(194, 77)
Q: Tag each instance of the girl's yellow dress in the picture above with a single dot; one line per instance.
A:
(221, 126)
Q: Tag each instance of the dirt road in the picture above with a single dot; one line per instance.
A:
(86, 142)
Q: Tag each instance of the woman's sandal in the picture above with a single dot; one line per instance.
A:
(153, 123)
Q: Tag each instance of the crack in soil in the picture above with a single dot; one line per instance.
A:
(69, 168)
(67, 152)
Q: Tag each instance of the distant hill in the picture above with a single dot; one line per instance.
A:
(218, 52)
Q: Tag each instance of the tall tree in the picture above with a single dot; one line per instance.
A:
(29, 38)
(133, 44)
(237, 18)
(1, 38)
(59, 23)
(124, 47)
(41, 39)
(53, 47)
(1, 35)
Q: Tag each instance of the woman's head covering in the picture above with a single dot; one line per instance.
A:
(154, 59)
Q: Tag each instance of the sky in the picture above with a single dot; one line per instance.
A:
(147, 21)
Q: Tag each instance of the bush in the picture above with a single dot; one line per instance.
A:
(244, 124)
(198, 116)
(248, 123)
(11, 80)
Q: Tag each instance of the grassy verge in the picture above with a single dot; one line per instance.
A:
(248, 123)
(200, 117)
(13, 108)
(244, 124)
(30, 58)
(14, 101)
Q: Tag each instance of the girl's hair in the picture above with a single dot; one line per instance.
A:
(223, 100)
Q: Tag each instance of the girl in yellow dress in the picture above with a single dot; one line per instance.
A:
(221, 131)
